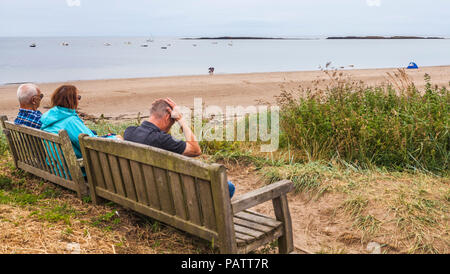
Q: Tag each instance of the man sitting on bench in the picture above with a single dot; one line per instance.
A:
(154, 132)
(29, 96)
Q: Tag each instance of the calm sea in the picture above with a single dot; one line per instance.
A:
(89, 58)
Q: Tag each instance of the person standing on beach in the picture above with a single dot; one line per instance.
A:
(29, 96)
(154, 132)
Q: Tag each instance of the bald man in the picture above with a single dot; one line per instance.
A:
(29, 96)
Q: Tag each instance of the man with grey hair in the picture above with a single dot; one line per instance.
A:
(29, 96)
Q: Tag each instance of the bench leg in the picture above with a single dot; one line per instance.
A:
(281, 208)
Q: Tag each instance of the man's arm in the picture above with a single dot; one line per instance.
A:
(192, 147)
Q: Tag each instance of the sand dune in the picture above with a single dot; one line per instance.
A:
(124, 98)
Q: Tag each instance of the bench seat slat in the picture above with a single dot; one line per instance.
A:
(264, 220)
(255, 230)
(255, 226)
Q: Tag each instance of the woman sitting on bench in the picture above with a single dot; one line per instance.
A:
(63, 115)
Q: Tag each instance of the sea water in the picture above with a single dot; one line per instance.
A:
(89, 58)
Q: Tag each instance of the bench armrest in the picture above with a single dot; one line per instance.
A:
(261, 195)
(80, 162)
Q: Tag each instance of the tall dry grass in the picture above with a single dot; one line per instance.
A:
(396, 125)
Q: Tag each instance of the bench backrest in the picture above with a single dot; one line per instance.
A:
(46, 155)
(185, 193)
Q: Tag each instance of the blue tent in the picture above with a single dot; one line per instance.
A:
(412, 65)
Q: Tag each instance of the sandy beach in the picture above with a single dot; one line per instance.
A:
(124, 98)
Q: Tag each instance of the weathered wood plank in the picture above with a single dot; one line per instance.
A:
(53, 158)
(281, 208)
(89, 170)
(249, 224)
(97, 170)
(117, 177)
(25, 150)
(16, 145)
(151, 156)
(48, 157)
(63, 164)
(248, 231)
(107, 175)
(40, 151)
(192, 201)
(139, 182)
(222, 209)
(9, 139)
(11, 145)
(261, 195)
(127, 179)
(164, 217)
(35, 152)
(31, 151)
(240, 237)
(249, 246)
(71, 159)
(246, 215)
(49, 177)
(207, 204)
(152, 190)
(164, 193)
(34, 132)
(177, 195)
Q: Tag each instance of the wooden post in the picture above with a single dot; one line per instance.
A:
(281, 208)
(223, 211)
(3, 119)
(74, 168)
(88, 168)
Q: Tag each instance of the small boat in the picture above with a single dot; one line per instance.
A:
(163, 47)
(107, 44)
(64, 44)
(127, 43)
(33, 45)
(144, 46)
(194, 45)
(150, 40)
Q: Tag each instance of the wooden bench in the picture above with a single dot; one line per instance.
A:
(185, 193)
(46, 155)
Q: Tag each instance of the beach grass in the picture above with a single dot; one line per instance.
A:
(395, 126)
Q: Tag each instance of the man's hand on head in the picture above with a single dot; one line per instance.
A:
(175, 114)
(173, 110)
(171, 103)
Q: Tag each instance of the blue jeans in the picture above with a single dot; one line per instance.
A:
(231, 188)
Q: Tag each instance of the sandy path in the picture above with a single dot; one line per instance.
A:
(119, 97)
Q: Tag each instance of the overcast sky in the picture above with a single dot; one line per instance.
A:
(190, 18)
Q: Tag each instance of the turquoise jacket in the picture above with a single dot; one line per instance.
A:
(58, 118)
